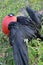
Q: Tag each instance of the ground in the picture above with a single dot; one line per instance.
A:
(35, 47)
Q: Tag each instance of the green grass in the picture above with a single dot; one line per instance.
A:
(35, 47)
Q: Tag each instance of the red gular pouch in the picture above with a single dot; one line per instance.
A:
(6, 21)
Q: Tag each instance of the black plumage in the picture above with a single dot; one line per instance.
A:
(24, 28)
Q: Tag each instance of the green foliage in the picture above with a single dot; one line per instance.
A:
(9, 59)
(35, 47)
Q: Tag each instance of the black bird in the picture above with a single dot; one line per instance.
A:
(24, 28)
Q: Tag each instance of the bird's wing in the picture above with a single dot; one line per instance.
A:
(31, 28)
(34, 15)
(17, 35)
(25, 21)
(16, 38)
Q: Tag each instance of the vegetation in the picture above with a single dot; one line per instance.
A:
(35, 47)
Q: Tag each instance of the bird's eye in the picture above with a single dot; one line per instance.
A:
(11, 14)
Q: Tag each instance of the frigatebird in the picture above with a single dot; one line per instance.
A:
(20, 28)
